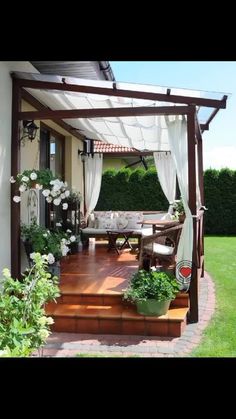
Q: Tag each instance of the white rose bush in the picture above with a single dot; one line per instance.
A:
(53, 189)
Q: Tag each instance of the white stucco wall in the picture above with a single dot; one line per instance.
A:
(5, 152)
(29, 157)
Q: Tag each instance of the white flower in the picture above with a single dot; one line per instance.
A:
(67, 193)
(25, 179)
(68, 231)
(63, 196)
(38, 186)
(46, 192)
(65, 184)
(33, 176)
(42, 320)
(72, 239)
(51, 258)
(45, 235)
(56, 187)
(63, 241)
(49, 199)
(65, 206)
(43, 333)
(16, 198)
(22, 188)
(64, 249)
(32, 255)
(53, 193)
(57, 201)
(58, 225)
(6, 273)
(49, 320)
(12, 180)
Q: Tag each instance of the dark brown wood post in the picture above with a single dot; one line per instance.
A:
(83, 162)
(201, 187)
(193, 291)
(15, 168)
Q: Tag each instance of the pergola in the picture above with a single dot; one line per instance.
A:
(77, 106)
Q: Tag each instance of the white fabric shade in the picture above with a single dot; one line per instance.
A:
(166, 172)
(93, 178)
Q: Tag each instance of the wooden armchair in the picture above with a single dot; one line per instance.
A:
(159, 248)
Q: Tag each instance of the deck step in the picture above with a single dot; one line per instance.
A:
(118, 319)
(181, 300)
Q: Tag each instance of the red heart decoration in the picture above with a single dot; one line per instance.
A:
(185, 271)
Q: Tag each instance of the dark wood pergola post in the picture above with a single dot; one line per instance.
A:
(193, 291)
(15, 169)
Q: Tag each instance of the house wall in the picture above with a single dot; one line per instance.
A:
(29, 155)
(5, 152)
(113, 163)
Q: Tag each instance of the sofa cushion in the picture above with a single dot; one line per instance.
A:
(121, 223)
(134, 219)
(162, 249)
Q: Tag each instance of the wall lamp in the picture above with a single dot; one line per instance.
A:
(29, 130)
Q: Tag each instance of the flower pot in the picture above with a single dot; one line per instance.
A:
(182, 218)
(55, 269)
(28, 247)
(74, 248)
(153, 307)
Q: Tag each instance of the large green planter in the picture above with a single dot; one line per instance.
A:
(153, 307)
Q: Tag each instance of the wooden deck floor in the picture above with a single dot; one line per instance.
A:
(92, 284)
(97, 271)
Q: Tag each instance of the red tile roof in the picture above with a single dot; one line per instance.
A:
(100, 147)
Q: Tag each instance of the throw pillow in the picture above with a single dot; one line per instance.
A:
(91, 221)
(121, 223)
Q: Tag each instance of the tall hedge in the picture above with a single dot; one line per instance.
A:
(140, 190)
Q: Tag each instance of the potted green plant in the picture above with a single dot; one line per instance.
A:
(152, 291)
(179, 212)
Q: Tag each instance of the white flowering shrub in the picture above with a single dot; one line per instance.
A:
(24, 325)
(53, 189)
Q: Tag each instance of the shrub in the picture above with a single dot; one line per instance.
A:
(24, 326)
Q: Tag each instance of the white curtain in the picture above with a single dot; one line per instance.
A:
(93, 178)
(166, 172)
(177, 132)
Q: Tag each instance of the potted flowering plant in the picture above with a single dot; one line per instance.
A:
(179, 212)
(53, 244)
(53, 189)
(152, 291)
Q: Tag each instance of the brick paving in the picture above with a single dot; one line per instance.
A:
(70, 344)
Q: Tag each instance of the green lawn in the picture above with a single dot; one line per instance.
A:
(220, 262)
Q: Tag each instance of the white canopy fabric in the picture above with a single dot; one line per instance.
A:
(93, 179)
(140, 132)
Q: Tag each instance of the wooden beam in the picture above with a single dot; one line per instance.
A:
(193, 291)
(45, 85)
(212, 115)
(15, 169)
(39, 106)
(104, 112)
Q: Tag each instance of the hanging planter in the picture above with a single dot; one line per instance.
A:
(53, 189)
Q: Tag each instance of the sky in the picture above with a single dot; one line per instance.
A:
(219, 143)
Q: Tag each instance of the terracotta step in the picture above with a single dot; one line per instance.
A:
(106, 319)
(181, 300)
